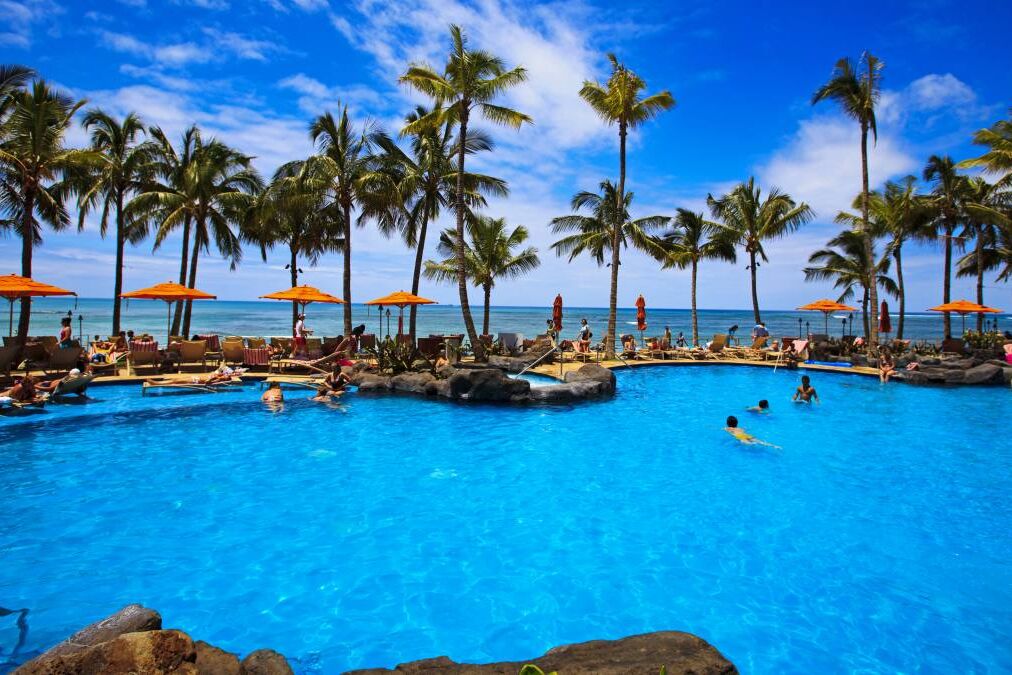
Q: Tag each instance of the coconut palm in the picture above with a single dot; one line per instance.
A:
(620, 101)
(846, 264)
(749, 220)
(857, 90)
(490, 256)
(427, 179)
(217, 192)
(692, 240)
(33, 166)
(900, 214)
(998, 158)
(948, 193)
(470, 82)
(124, 168)
(12, 78)
(289, 213)
(986, 213)
(172, 165)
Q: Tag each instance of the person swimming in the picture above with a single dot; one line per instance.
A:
(742, 435)
(763, 407)
(806, 392)
(273, 393)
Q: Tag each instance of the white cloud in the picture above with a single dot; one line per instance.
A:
(315, 96)
(20, 18)
(934, 91)
(179, 54)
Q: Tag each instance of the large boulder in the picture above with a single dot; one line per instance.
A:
(130, 619)
(414, 383)
(679, 653)
(265, 662)
(156, 652)
(486, 384)
(986, 373)
(592, 372)
(371, 382)
(213, 661)
(911, 376)
(554, 393)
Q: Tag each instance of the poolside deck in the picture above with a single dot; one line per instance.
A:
(554, 370)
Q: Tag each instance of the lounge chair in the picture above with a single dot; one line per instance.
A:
(192, 352)
(430, 347)
(367, 341)
(716, 347)
(196, 386)
(314, 347)
(73, 385)
(284, 343)
(256, 343)
(320, 365)
(756, 351)
(232, 350)
(10, 357)
(142, 357)
(62, 360)
(511, 342)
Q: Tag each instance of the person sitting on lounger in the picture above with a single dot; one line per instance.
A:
(273, 393)
(52, 386)
(583, 337)
(806, 392)
(763, 407)
(742, 435)
(336, 381)
(886, 365)
(680, 341)
(628, 345)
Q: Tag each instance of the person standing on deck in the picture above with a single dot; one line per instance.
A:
(299, 341)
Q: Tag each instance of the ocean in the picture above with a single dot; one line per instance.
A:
(267, 318)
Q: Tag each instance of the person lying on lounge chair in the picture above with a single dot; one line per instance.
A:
(221, 376)
(67, 383)
(24, 391)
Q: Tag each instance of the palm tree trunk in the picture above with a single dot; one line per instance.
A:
(118, 283)
(903, 294)
(465, 306)
(979, 254)
(864, 315)
(488, 300)
(695, 318)
(947, 279)
(869, 250)
(347, 266)
(755, 289)
(295, 282)
(177, 316)
(27, 241)
(192, 283)
(616, 239)
(416, 275)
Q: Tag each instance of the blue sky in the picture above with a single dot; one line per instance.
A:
(254, 72)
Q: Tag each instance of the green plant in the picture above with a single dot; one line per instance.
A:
(531, 669)
(396, 357)
(983, 340)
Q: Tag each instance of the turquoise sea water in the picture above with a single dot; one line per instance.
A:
(274, 318)
(393, 528)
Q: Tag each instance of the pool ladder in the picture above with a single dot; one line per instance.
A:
(539, 360)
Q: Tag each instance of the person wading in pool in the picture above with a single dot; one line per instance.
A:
(742, 435)
(763, 407)
(806, 392)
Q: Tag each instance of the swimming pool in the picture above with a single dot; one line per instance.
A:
(392, 528)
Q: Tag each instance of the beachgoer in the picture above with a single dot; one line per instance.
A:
(323, 395)
(666, 340)
(51, 386)
(742, 435)
(23, 391)
(806, 392)
(628, 344)
(441, 362)
(550, 331)
(273, 393)
(759, 331)
(336, 381)
(299, 337)
(680, 341)
(583, 337)
(66, 333)
(763, 407)
(886, 365)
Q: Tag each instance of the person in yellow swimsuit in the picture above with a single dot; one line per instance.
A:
(742, 435)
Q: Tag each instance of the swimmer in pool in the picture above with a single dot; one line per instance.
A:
(806, 392)
(763, 407)
(742, 435)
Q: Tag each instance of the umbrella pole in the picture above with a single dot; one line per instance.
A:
(168, 322)
(10, 320)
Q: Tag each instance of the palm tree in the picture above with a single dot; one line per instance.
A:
(620, 101)
(998, 158)
(857, 90)
(900, 213)
(947, 196)
(427, 180)
(848, 266)
(124, 169)
(173, 167)
(693, 239)
(490, 255)
(217, 193)
(33, 162)
(750, 220)
(12, 78)
(986, 209)
(471, 81)
(289, 213)
(342, 169)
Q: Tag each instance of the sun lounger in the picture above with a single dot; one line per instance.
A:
(756, 351)
(366, 342)
(256, 343)
(321, 365)
(232, 350)
(716, 347)
(73, 385)
(953, 346)
(62, 360)
(430, 347)
(10, 357)
(192, 352)
(195, 386)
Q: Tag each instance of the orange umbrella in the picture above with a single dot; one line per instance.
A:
(14, 287)
(641, 314)
(557, 313)
(964, 307)
(827, 307)
(304, 295)
(400, 299)
(169, 292)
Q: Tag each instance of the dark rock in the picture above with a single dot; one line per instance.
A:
(911, 376)
(155, 652)
(213, 661)
(955, 376)
(930, 361)
(679, 653)
(371, 382)
(265, 662)
(415, 383)
(130, 619)
(960, 364)
(986, 373)
(592, 372)
(487, 384)
(553, 393)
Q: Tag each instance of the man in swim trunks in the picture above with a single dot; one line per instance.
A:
(806, 392)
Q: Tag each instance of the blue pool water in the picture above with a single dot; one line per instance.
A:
(393, 528)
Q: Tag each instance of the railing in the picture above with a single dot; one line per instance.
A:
(539, 360)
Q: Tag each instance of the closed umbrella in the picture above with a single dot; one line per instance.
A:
(557, 313)
(168, 292)
(964, 307)
(885, 325)
(14, 287)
